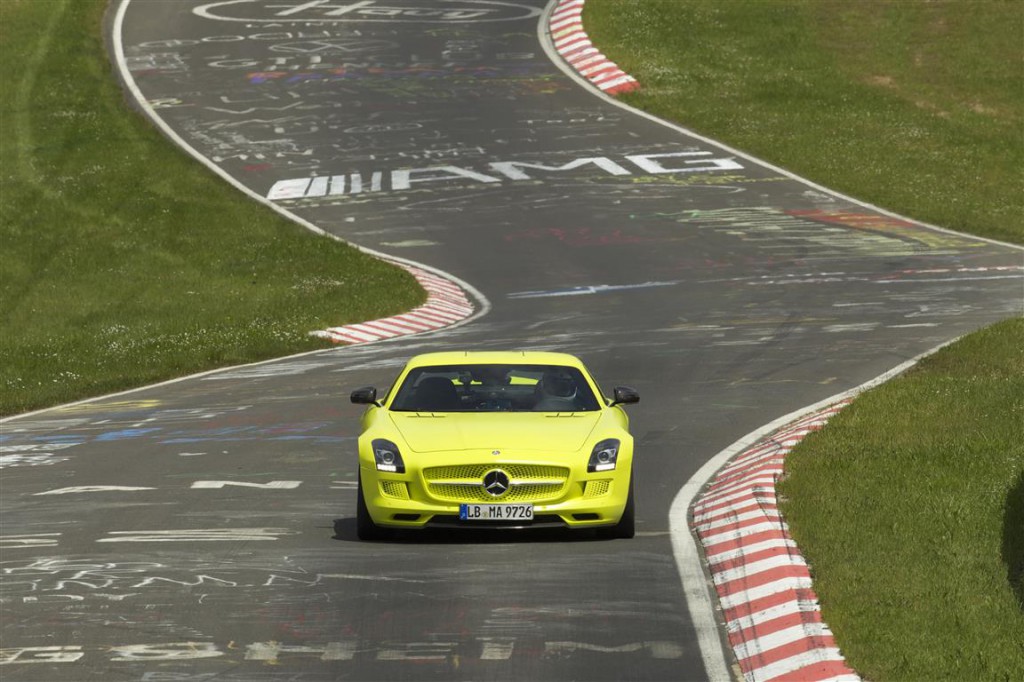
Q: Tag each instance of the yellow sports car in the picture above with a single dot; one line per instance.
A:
(495, 439)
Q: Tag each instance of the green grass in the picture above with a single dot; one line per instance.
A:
(124, 261)
(909, 505)
(909, 508)
(914, 106)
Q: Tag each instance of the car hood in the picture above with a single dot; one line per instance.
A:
(550, 432)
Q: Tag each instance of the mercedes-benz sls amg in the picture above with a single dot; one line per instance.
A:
(495, 440)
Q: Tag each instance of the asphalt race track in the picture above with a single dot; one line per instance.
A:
(204, 529)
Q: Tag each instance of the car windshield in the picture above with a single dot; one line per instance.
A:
(495, 388)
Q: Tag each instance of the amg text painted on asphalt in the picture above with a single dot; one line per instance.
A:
(499, 171)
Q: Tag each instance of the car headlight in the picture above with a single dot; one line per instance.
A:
(387, 456)
(604, 456)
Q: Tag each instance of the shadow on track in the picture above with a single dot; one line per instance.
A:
(345, 531)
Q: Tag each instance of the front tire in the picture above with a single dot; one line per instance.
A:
(626, 527)
(366, 529)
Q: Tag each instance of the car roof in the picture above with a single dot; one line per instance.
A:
(517, 357)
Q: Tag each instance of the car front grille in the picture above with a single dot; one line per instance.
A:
(396, 489)
(596, 488)
(529, 482)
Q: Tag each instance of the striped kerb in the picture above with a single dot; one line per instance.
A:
(572, 43)
(772, 618)
(446, 304)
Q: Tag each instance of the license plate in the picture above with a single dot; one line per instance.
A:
(496, 512)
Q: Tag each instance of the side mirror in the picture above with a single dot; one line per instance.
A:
(623, 395)
(365, 396)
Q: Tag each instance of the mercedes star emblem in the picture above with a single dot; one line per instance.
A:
(496, 483)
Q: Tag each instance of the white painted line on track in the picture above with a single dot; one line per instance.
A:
(697, 586)
(687, 556)
(422, 271)
(544, 34)
(762, 637)
(454, 284)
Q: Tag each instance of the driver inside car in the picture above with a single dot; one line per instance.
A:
(557, 393)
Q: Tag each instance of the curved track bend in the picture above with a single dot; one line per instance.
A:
(203, 529)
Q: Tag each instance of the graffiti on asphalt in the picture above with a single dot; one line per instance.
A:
(335, 11)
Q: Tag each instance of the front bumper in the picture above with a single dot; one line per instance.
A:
(409, 500)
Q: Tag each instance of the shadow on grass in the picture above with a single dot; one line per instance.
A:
(1013, 539)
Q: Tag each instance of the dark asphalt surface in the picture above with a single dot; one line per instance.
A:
(204, 529)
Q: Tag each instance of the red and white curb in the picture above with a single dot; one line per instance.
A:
(446, 304)
(773, 622)
(572, 42)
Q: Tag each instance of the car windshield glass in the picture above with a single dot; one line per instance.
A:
(495, 388)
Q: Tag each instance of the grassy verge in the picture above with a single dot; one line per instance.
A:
(910, 504)
(915, 106)
(903, 507)
(125, 262)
